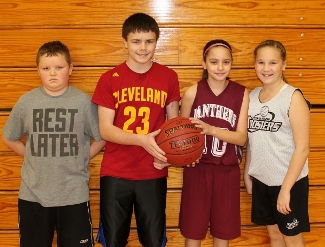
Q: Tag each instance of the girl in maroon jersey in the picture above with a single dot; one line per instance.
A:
(211, 188)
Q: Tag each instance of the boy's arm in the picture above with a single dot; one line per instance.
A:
(17, 146)
(172, 109)
(110, 132)
(96, 147)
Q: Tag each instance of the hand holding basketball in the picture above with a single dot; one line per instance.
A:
(158, 164)
(181, 141)
(149, 144)
(202, 125)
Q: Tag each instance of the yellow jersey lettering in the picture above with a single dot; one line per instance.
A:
(137, 94)
(131, 93)
(163, 99)
(157, 97)
(123, 96)
(150, 95)
(141, 94)
(115, 94)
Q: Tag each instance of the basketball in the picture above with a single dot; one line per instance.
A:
(182, 142)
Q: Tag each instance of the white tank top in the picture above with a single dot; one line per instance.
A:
(270, 137)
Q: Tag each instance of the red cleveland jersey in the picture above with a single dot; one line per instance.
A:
(139, 101)
(221, 111)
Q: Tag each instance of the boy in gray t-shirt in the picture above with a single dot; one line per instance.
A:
(58, 121)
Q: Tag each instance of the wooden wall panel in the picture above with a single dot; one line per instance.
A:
(302, 45)
(9, 211)
(104, 47)
(14, 83)
(92, 30)
(305, 79)
(183, 47)
(317, 129)
(172, 12)
(10, 166)
(256, 236)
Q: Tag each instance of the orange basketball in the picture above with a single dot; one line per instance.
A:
(182, 142)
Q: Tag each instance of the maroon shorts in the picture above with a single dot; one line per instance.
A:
(211, 195)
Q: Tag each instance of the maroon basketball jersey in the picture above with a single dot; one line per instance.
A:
(221, 111)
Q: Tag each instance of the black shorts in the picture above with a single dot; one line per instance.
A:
(118, 198)
(37, 224)
(264, 210)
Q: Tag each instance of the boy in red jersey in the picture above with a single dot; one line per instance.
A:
(133, 101)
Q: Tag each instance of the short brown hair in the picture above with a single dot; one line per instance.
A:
(140, 22)
(53, 48)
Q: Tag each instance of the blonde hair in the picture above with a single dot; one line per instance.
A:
(277, 45)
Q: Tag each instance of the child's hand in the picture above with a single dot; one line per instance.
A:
(248, 183)
(148, 142)
(283, 203)
(159, 164)
(195, 162)
(206, 128)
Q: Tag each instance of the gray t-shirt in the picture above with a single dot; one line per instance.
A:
(58, 130)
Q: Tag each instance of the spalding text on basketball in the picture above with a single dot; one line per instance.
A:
(179, 127)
